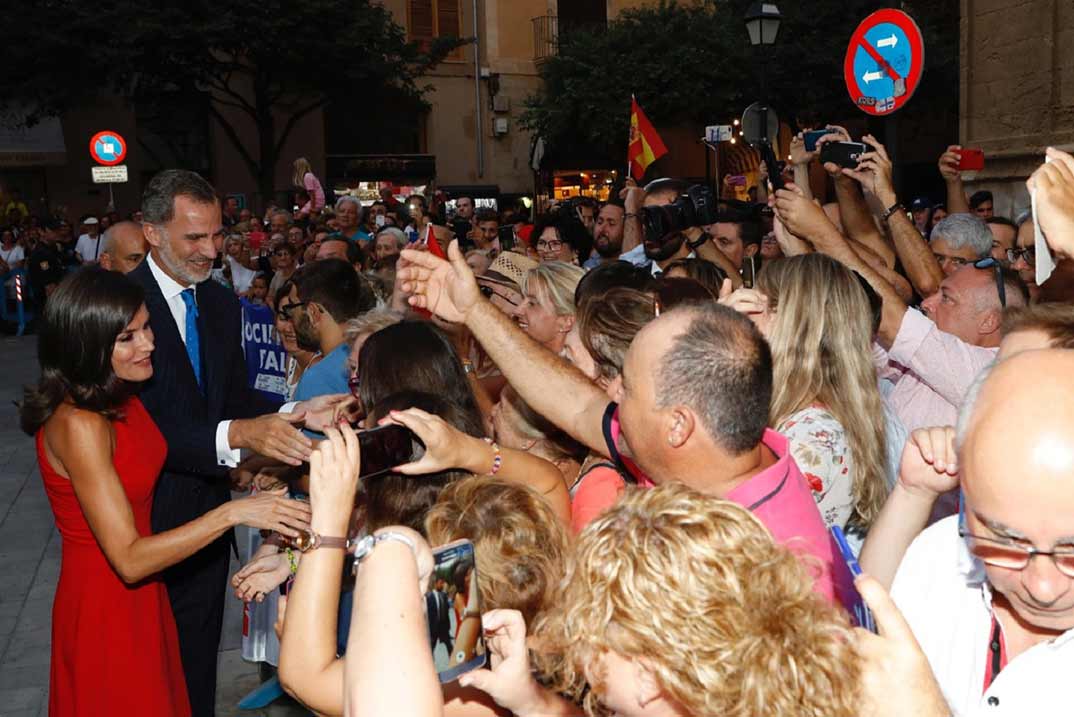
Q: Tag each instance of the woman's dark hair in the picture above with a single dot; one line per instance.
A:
(82, 319)
(613, 274)
(394, 499)
(570, 230)
(702, 271)
(415, 356)
(282, 293)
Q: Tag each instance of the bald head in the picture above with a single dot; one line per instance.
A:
(1016, 465)
(124, 247)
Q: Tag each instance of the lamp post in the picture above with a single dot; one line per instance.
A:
(762, 24)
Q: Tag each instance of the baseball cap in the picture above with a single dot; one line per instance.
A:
(90, 220)
(920, 203)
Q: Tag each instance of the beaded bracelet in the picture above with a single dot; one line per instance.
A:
(497, 457)
(292, 560)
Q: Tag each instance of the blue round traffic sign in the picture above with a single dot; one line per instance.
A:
(108, 148)
(884, 62)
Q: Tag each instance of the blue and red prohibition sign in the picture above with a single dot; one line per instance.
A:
(108, 148)
(884, 62)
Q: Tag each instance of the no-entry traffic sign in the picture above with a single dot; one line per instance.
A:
(108, 148)
(884, 62)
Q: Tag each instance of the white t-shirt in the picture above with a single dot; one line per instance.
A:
(89, 248)
(13, 255)
(944, 595)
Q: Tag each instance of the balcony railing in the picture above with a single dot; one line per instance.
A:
(545, 37)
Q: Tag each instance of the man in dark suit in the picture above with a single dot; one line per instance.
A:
(438, 614)
(199, 398)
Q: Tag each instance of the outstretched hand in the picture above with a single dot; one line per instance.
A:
(874, 172)
(929, 465)
(801, 216)
(446, 447)
(509, 682)
(334, 468)
(1053, 185)
(445, 288)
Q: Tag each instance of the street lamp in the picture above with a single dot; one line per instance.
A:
(762, 23)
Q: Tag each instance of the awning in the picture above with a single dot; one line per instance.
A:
(22, 146)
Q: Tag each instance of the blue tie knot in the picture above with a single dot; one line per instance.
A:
(191, 304)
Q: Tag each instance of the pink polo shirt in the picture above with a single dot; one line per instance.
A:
(781, 498)
(931, 371)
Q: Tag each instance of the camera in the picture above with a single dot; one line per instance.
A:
(695, 208)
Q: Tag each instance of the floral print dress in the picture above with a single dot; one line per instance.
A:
(819, 446)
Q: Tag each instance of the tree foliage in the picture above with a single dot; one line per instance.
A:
(691, 62)
(270, 61)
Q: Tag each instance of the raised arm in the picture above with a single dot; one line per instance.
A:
(858, 220)
(79, 446)
(551, 386)
(874, 173)
(632, 196)
(929, 468)
(952, 177)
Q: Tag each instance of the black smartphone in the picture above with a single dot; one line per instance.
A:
(775, 171)
(507, 237)
(386, 447)
(461, 229)
(843, 154)
(811, 137)
(453, 611)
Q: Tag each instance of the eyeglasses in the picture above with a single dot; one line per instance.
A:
(990, 263)
(287, 310)
(549, 245)
(488, 292)
(1004, 554)
(1029, 254)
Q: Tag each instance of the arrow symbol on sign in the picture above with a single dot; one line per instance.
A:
(888, 41)
(870, 76)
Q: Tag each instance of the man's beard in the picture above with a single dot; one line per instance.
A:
(665, 249)
(183, 270)
(608, 249)
(305, 335)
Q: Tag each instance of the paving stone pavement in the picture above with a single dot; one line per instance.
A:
(30, 558)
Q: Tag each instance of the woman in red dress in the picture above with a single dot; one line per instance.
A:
(115, 649)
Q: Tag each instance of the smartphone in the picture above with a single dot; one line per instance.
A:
(507, 237)
(453, 612)
(811, 137)
(749, 271)
(386, 447)
(859, 611)
(971, 160)
(844, 154)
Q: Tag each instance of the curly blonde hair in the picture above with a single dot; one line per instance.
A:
(694, 585)
(521, 546)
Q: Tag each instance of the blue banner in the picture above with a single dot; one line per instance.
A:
(266, 360)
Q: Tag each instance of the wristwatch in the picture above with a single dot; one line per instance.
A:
(309, 540)
(365, 546)
(697, 243)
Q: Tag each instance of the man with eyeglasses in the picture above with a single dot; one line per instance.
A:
(958, 240)
(989, 594)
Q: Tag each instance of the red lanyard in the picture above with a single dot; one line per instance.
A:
(997, 655)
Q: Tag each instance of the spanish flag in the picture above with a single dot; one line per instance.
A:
(645, 144)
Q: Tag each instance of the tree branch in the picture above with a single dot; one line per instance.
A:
(293, 120)
(235, 139)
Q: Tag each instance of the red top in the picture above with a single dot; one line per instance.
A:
(115, 650)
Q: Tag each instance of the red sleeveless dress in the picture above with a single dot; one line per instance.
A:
(115, 650)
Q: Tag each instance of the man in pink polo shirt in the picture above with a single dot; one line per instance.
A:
(696, 387)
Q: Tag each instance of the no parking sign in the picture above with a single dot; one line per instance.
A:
(884, 62)
(108, 148)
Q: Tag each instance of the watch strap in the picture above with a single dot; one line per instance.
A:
(697, 243)
(366, 545)
(897, 206)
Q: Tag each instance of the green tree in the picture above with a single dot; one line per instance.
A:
(270, 61)
(691, 62)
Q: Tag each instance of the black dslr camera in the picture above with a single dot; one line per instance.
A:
(695, 208)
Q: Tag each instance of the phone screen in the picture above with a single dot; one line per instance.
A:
(811, 137)
(507, 237)
(844, 154)
(453, 611)
(386, 447)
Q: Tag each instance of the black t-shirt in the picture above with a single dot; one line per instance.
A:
(46, 266)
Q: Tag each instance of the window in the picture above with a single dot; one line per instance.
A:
(429, 19)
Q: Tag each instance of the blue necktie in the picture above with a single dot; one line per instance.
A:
(193, 344)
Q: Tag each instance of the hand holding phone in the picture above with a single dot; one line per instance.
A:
(843, 154)
(859, 611)
(453, 611)
(970, 160)
(386, 447)
(810, 138)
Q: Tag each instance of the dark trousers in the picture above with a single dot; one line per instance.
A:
(196, 590)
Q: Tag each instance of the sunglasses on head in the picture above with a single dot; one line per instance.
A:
(990, 263)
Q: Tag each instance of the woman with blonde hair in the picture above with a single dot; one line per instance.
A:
(816, 316)
(650, 619)
(304, 178)
(547, 309)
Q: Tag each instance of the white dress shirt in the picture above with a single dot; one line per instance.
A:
(172, 292)
(942, 591)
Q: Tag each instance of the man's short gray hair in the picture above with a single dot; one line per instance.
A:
(964, 230)
(396, 233)
(348, 199)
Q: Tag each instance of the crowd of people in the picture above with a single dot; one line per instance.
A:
(671, 449)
